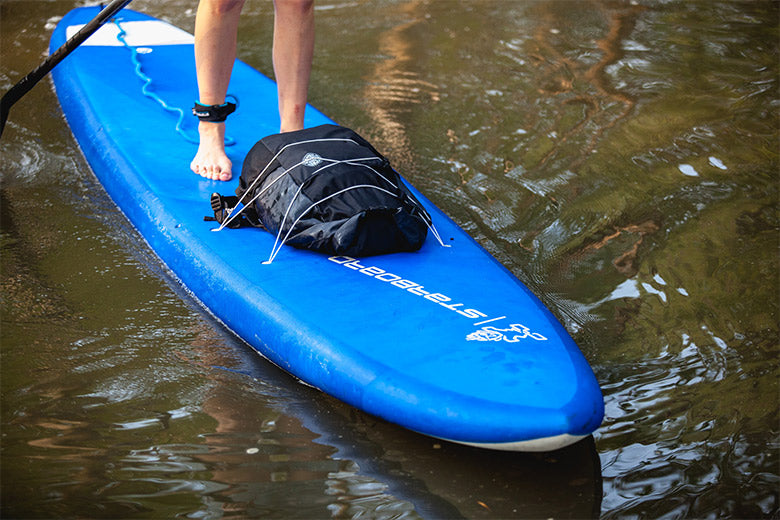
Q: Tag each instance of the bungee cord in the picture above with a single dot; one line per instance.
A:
(147, 81)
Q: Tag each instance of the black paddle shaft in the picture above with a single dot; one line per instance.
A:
(30, 80)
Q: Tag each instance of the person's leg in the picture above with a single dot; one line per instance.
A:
(216, 27)
(292, 58)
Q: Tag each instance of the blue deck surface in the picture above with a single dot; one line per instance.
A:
(444, 341)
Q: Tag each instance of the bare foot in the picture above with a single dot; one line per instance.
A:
(211, 161)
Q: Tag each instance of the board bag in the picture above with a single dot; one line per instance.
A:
(327, 189)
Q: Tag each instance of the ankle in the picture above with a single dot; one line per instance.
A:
(291, 117)
(290, 127)
(211, 131)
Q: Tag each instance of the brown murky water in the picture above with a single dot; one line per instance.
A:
(620, 157)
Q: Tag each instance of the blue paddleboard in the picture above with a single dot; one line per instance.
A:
(444, 341)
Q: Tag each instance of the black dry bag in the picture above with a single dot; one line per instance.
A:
(327, 189)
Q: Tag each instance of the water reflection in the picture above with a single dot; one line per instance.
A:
(581, 79)
(633, 156)
(397, 87)
(446, 480)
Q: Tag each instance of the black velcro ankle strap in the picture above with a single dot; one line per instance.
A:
(213, 113)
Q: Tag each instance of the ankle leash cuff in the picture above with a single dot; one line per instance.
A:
(213, 113)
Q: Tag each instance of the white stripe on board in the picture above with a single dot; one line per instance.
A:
(139, 33)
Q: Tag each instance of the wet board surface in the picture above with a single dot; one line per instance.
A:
(444, 341)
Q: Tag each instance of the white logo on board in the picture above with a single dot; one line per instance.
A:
(513, 334)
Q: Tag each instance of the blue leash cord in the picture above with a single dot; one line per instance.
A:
(148, 81)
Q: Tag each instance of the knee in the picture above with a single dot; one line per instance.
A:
(223, 6)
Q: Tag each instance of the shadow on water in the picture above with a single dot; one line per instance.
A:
(441, 479)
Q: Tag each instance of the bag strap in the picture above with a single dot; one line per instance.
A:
(223, 205)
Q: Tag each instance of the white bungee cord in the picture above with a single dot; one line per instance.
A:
(236, 211)
(232, 215)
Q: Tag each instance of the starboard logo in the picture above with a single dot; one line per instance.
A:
(513, 334)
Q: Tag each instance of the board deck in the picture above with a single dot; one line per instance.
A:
(444, 341)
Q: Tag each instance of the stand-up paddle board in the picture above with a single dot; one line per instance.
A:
(444, 341)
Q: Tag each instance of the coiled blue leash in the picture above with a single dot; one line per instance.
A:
(148, 93)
